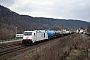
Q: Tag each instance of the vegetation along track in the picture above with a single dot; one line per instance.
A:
(71, 47)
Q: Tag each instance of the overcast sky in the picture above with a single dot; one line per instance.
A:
(66, 9)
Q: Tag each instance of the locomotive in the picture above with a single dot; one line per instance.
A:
(29, 37)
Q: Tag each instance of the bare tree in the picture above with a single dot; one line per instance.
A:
(88, 27)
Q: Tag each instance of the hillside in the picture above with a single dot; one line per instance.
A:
(9, 20)
(62, 23)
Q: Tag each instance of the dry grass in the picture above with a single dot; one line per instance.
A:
(71, 47)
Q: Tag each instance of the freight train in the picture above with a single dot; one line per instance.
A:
(30, 37)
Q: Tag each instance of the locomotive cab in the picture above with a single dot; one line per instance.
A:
(27, 37)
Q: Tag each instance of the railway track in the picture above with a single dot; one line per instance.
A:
(9, 50)
(9, 45)
(19, 48)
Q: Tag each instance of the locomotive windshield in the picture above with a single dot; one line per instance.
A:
(27, 33)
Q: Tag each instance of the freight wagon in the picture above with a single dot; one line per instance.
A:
(51, 33)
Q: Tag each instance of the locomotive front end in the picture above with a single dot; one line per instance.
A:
(27, 37)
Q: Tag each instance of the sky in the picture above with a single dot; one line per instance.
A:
(58, 9)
